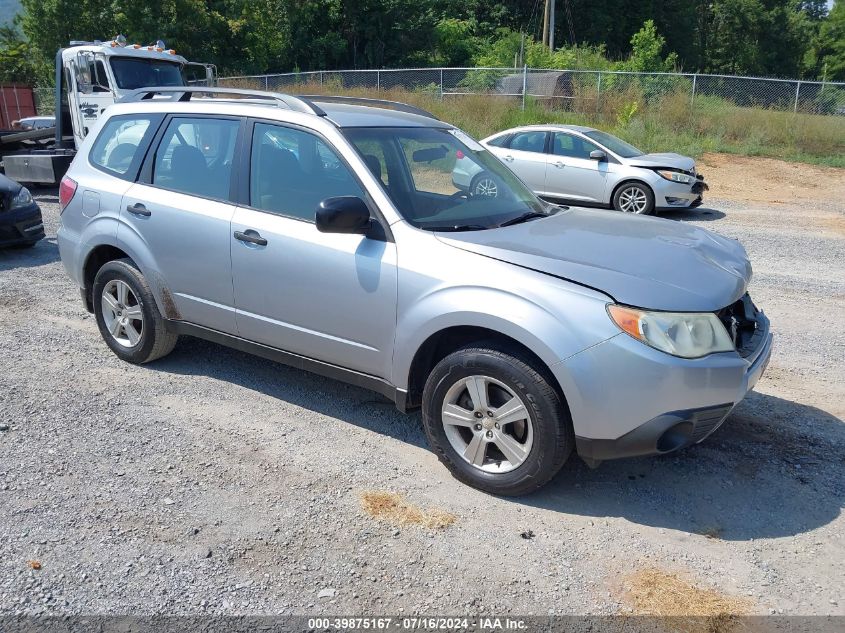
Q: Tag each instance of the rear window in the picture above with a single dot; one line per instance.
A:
(118, 149)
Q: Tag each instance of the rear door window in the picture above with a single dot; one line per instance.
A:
(121, 144)
(195, 156)
(529, 142)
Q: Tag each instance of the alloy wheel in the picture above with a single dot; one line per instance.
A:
(487, 424)
(633, 200)
(486, 187)
(122, 313)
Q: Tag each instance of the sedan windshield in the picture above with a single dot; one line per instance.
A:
(615, 145)
(442, 180)
(131, 74)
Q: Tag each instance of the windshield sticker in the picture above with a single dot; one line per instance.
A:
(467, 140)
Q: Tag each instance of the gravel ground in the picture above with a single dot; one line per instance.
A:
(216, 482)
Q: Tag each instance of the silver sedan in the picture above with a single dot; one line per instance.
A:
(588, 167)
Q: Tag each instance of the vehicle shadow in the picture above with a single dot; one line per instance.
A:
(45, 251)
(700, 214)
(363, 408)
(761, 475)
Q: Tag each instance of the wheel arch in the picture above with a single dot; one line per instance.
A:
(444, 341)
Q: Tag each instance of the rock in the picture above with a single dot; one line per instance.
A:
(328, 592)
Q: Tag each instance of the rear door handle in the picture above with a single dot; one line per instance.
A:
(509, 159)
(559, 165)
(139, 209)
(251, 236)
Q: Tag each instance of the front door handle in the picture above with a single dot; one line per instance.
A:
(251, 236)
(509, 159)
(139, 209)
(559, 165)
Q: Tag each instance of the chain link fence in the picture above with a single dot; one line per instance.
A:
(577, 90)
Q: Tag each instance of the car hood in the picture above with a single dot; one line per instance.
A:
(639, 261)
(7, 185)
(663, 160)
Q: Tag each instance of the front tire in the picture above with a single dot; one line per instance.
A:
(127, 315)
(634, 197)
(484, 185)
(496, 422)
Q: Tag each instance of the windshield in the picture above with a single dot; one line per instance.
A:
(442, 180)
(131, 74)
(615, 145)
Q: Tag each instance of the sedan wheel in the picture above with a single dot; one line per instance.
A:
(485, 186)
(487, 424)
(122, 313)
(634, 198)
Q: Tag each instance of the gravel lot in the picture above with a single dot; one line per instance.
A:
(216, 482)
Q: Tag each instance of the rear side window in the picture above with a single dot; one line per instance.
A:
(529, 141)
(120, 146)
(500, 141)
(195, 156)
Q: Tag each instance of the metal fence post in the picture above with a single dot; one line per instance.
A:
(797, 90)
(441, 84)
(524, 83)
(266, 82)
(694, 82)
(378, 80)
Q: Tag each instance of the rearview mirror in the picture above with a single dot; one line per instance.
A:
(598, 154)
(343, 214)
(430, 154)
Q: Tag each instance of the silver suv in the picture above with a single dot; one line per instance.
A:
(327, 233)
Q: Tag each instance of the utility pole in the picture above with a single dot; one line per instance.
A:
(546, 23)
(552, 27)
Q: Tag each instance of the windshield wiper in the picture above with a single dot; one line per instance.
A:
(454, 228)
(524, 218)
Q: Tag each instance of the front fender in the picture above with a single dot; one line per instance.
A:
(550, 334)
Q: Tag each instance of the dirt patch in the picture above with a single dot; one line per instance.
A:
(755, 179)
(394, 509)
(655, 592)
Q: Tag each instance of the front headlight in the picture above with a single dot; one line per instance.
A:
(684, 334)
(23, 199)
(675, 176)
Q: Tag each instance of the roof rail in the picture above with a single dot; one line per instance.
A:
(374, 103)
(185, 93)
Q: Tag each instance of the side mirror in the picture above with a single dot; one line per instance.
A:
(598, 154)
(343, 214)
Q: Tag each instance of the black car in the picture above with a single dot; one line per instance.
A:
(20, 217)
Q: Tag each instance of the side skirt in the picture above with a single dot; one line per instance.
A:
(350, 376)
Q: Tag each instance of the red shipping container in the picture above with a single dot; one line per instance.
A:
(16, 102)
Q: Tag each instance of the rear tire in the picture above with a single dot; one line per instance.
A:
(634, 197)
(494, 419)
(127, 315)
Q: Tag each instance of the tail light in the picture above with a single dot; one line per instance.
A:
(66, 190)
(459, 154)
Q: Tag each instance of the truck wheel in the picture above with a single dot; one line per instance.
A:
(495, 420)
(127, 315)
(634, 197)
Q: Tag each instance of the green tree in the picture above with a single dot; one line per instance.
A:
(646, 51)
(831, 43)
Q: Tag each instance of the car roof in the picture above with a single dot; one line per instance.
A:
(341, 112)
(348, 115)
(546, 127)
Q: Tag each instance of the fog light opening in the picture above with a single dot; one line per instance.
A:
(675, 437)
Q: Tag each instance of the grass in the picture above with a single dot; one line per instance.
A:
(394, 509)
(655, 592)
(663, 123)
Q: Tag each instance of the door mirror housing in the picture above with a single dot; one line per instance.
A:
(343, 214)
(598, 154)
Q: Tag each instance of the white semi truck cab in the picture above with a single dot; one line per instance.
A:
(90, 76)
